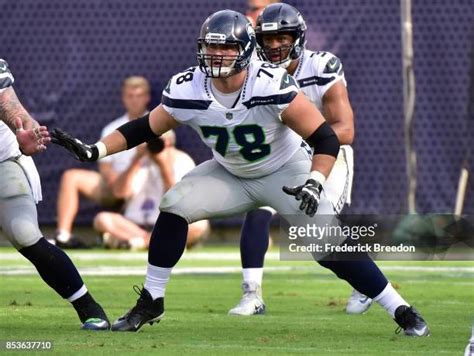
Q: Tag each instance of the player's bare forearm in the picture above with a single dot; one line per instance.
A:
(159, 123)
(114, 142)
(127, 136)
(11, 108)
(323, 163)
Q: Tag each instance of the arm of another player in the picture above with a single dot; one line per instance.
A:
(125, 137)
(338, 112)
(32, 138)
(138, 131)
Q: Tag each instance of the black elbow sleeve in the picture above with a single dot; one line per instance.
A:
(324, 141)
(137, 131)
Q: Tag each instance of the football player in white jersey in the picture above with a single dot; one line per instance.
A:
(20, 190)
(280, 32)
(259, 126)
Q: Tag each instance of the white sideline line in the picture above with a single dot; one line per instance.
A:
(142, 256)
(140, 271)
(210, 256)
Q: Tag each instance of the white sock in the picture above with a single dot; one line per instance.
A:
(156, 280)
(63, 236)
(390, 300)
(253, 275)
(78, 294)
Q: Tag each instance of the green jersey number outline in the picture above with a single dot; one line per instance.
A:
(251, 149)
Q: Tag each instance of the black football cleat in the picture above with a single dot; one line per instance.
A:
(92, 315)
(410, 320)
(96, 324)
(145, 311)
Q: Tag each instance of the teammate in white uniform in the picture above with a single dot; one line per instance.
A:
(20, 189)
(280, 31)
(253, 117)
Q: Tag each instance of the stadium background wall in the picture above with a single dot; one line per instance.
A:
(69, 59)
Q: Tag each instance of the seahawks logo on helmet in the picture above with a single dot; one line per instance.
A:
(250, 30)
(4, 66)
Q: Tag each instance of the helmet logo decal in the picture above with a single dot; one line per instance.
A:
(250, 30)
(218, 38)
(269, 26)
(301, 22)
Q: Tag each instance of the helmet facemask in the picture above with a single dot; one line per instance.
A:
(215, 65)
(225, 28)
(281, 19)
(282, 55)
(277, 55)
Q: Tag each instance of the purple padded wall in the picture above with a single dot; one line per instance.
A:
(70, 57)
(443, 41)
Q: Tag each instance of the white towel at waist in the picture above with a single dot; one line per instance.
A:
(349, 153)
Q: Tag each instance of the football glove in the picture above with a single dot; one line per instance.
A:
(309, 194)
(79, 150)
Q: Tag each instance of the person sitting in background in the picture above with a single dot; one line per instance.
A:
(142, 185)
(99, 186)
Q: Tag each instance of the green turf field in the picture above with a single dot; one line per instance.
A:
(304, 308)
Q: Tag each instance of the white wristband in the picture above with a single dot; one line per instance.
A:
(101, 149)
(318, 177)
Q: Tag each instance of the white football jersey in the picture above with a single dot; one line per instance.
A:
(249, 139)
(9, 147)
(316, 73)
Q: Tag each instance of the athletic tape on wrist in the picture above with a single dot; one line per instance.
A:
(102, 150)
(318, 177)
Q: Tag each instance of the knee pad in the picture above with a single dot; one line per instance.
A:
(174, 201)
(19, 220)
